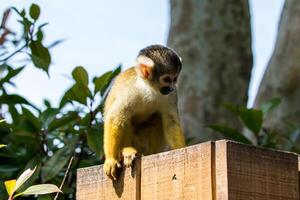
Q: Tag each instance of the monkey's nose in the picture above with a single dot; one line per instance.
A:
(166, 90)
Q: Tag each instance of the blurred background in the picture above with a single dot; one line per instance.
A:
(102, 34)
(240, 77)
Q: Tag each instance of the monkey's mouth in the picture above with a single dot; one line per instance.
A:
(166, 90)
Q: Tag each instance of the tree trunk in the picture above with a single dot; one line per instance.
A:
(282, 77)
(214, 40)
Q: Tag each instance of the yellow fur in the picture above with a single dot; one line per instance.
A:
(138, 119)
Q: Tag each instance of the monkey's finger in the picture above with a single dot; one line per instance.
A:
(108, 170)
(113, 173)
(108, 173)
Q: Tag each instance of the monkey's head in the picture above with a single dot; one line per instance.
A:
(159, 65)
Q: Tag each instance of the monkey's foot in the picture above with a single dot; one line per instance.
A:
(110, 168)
(129, 154)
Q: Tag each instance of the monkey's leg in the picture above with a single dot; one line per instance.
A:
(129, 154)
(172, 130)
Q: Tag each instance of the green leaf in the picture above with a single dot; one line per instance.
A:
(40, 55)
(39, 35)
(12, 99)
(252, 118)
(269, 105)
(42, 26)
(26, 26)
(65, 99)
(48, 116)
(34, 11)
(21, 13)
(15, 115)
(117, 71)
(233, 108)
(56, 163)
(78, 93)
(33, 161)
(94, 139)
(2, 145)
(63, 121)
(114, 74)
(80, 75)
(31, 120)
(85, 121)
(102, 81)
(47, 103)
(11, 73)
(24, 177)
(230, 133)
(40, 189)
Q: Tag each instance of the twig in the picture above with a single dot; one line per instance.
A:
(14, 53)
(65, 176)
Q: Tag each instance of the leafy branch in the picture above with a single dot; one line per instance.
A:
(48, 137)
(253, 120)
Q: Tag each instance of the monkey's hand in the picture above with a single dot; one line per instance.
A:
(110, 168)
(129, 154)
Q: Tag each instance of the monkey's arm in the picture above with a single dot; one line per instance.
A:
(114, 130)
(172, 130)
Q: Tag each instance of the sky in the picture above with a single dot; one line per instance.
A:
(101, 34)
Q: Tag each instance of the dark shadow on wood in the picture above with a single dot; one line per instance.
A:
(119, 184)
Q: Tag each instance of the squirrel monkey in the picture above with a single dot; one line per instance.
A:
(140, 113)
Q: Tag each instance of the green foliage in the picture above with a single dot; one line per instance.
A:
(34, 11)
(102, 82)
(93, 141)
(47, 137)
(230, 133)
(252, 120)
(13, 187)
(40, 55)
(270, 105)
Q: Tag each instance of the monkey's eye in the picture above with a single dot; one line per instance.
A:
(175, 79)
(167, 79)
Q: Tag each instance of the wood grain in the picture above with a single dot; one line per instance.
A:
(246, 172)
(179, 174)
(222, 170)
(93, 184)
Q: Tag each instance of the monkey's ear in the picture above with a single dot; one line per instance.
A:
(144, 66)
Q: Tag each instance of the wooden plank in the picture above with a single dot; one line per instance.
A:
(179, 174)
(93, 184)
(247, 172)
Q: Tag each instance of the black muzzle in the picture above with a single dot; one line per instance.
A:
(166, 90)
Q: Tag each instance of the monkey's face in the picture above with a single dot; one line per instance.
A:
(167, 83)
(160, 66)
